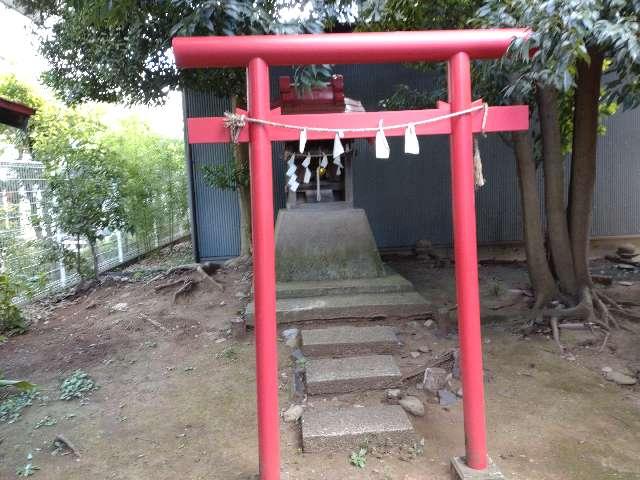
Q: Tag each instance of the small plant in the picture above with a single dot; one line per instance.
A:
(11, 319)
(359, 459)
(417, 449)
(11, 408)
(228, 353)
(47, 421)
(76, 385)
(29, 469)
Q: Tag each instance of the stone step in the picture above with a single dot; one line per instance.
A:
(369, 306)
(340, 341)
(352, 374)
(390, 283)
(346, 429)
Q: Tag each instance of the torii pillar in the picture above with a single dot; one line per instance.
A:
(257, 53)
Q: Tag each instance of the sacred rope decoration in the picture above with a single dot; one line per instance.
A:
(235, 122)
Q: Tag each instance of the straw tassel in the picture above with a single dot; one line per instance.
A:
(477, 165)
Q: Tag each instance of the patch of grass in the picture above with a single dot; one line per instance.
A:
(301, 362)
(228, 353)
(77, 385)
(28, 469)
(47, 421)
(11, 408)
(359, 459)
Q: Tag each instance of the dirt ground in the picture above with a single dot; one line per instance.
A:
(176, 395)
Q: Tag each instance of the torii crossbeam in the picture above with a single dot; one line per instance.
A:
(257, 53)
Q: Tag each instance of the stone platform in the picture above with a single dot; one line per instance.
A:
(391, 282)
(366, 306)
(345, 429)
(342, 341)
(352, 374)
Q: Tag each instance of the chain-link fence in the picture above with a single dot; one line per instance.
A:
(32, 252)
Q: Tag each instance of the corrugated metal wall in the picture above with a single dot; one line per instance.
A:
(408, 197)
(215, 213)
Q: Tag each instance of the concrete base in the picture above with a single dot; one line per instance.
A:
(460, 471)
(389, 283)
(345, 429)
(343, 341)
(368, 306)
(353, 374)
(325, 244)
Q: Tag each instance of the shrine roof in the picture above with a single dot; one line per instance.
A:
(14, 114)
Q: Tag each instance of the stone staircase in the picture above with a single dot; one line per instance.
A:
(390, 297)
(346, 359)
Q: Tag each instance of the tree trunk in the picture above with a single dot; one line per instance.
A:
(559, 240)
(240, 153)
(78, 258)
(583, 161)
(94, 255)
(540, 274)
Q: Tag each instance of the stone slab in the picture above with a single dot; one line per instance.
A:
(340, 341)
(460, 471)
(346, 429)
(391, 283)
(369, 306)
(352, 374)
(333, 244)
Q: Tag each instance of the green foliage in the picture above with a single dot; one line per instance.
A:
(359, 459)
(405, 97)
(84, 187)
(228, 353)
(14, 90)
(11, 318)
(77, 385)
(564, 33)
(225, 176)
(120, 51)
(306, 77)
(11, 407)
(154, 186)
(390, 15)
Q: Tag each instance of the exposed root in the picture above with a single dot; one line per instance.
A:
(556, 333)
(187, 288)
(595, 311)
(162, 286)
(619, 309)
(205, 276)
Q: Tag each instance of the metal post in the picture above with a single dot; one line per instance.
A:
(466, 257)
(120, 249)
(264, 276)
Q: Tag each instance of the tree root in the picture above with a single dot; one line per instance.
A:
(595, 311)
(185, 289)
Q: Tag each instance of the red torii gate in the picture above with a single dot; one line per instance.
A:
(257, 53)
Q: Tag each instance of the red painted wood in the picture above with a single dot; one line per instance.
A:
(264, 278)
(499, 119)
(466, 267)
(334, 48)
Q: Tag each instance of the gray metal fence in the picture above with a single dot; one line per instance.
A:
(25, 246)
